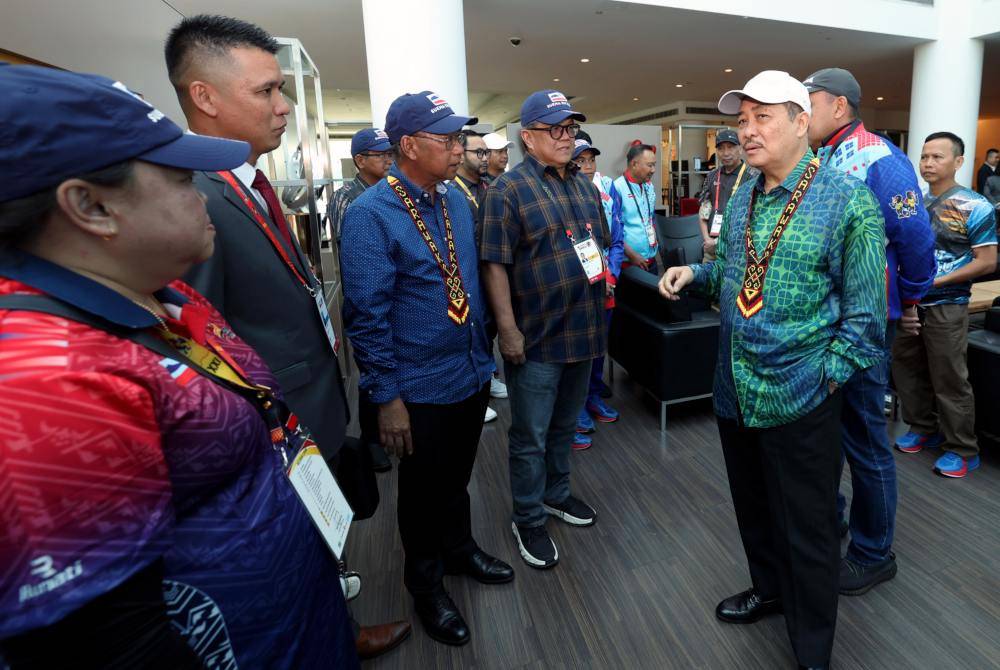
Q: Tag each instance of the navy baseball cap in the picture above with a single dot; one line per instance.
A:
(369, 139)
(56, 124)
(548, 107)
(412, 112)
(727, 136)
(582, 145)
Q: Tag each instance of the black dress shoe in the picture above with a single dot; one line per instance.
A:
(380, 459)
(482, 567)
(441, 618)
(746, 607)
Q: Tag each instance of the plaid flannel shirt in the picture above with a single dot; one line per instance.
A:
(524, 220)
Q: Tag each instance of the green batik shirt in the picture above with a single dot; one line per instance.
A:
(824, 295)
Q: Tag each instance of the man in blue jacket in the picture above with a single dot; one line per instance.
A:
(843, 143)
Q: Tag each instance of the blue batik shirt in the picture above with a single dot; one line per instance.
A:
(962, 220)
(396, 303)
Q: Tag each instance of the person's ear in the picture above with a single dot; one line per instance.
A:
(205, 98)
(408, 146)
(85, 206)
(959, 162)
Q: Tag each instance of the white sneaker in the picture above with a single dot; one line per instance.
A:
(497, 388)
(491, 415)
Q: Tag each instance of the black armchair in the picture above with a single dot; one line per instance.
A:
(668, 348)
(984, 372)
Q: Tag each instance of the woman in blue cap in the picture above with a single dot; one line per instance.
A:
(146, 518)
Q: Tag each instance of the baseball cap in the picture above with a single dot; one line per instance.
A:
(427, 111)
(837, 82)
(56, 124)
(495, 142)
(369, 139)
(547, 106)
(582, 145)
(727, 136)
(770, 87)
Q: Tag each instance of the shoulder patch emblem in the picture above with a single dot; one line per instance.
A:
(905, 204)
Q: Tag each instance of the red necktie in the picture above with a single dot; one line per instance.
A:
(264, 187)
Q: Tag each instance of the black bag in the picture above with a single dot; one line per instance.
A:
(355, 472)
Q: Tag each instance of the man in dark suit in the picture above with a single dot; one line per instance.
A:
(229, 84)
(987, 169)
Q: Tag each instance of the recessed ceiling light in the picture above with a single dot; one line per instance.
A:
(584, 60)
(635, 99)
(880, 98)
(679, 85)
(728, 69)
(555, 78)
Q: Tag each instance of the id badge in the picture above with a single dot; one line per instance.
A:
(324, 316)
(716, 225)
(591, 259)
(321, 496)
(651, 234)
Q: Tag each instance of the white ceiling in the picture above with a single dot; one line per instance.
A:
(635, 50)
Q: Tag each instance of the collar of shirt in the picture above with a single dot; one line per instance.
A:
(81, 292)
(361, 183)
(415, 191)
(540, 169)
(792, 180)
(628, 177)
(722, 169)
(246, 173)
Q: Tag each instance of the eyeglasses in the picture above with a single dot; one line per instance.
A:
(480, 153)
(447, 140)
(384, 155)
(557, 132)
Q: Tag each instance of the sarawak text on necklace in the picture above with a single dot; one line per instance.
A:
(751, 297)
(458, 304)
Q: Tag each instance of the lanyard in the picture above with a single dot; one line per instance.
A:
(262, 222)
(572, 239)
(649, 206)
(451, 273)
(559, 206)
(751, 296)
(468, 193)
(718, 181)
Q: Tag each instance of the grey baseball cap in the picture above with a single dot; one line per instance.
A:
(835, 81)
(727, 136)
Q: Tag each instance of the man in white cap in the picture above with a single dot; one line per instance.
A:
(498, 147)
(800, 279)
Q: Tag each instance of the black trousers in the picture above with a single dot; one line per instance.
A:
(784, 485)
(435, 522)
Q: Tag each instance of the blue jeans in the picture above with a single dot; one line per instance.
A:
(873, 467)
(545, 400)
(597, 368)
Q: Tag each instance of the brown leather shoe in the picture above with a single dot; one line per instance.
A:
(376, 640)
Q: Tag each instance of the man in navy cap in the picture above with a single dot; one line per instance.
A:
(545, 275)
(372, 156)
(719, 185)
(413, 311)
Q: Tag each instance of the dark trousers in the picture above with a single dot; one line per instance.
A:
(435, 522)
(784, 486)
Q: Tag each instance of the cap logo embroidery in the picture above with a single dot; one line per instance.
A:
(381, 135)
(154, 115)
(558, 97)
(438, 102)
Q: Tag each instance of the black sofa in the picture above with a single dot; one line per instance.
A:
(669, 348)
(984, 372)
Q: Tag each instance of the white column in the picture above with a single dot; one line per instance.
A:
(947, 78)
(415, 45)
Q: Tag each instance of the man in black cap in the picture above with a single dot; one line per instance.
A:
(719, 185)
(413, 311)
(843, 143)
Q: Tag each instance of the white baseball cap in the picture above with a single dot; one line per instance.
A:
(770, 87)
(494, 142)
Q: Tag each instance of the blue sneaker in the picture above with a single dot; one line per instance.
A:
(953, 465)
(911, 442)
(581, 441)
(584, 424)
(600, 411)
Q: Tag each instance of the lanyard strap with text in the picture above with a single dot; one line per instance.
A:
(262, 222)
(649, 206)
(751, 296)
(458, 304)
(718, 181)
(468, 193)
(562, 210)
